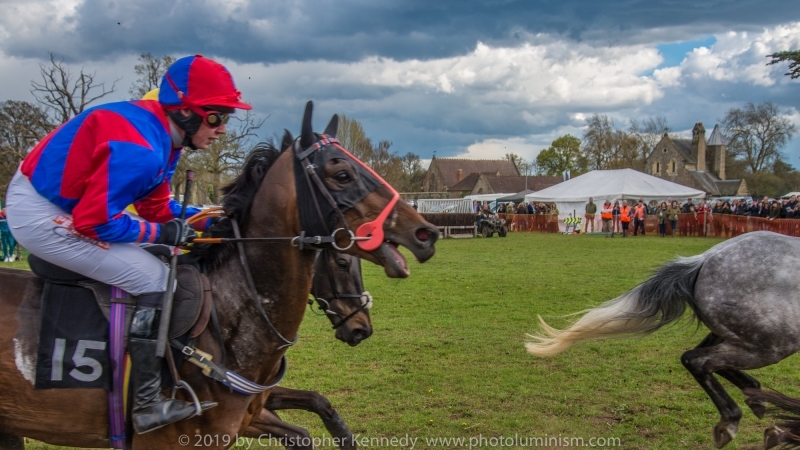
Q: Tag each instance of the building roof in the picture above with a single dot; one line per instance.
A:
(519, 183)
(684, 147)
(449, 168)
(706, 180)
(728, 187)
(466, 184)
(716, 137)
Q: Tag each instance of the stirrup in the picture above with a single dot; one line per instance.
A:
(184, 385)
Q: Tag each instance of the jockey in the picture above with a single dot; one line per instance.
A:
(66, 203)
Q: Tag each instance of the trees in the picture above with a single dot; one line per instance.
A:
(404, 173)
(757, 133)
(563, 154)
(413, 172)
(64, 95)
(598, 141)
(648, 132)
(218, 164)
(523, 167)
(793, 56)
(149, 70)
(22, 125)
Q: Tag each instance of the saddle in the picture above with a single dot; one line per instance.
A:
(76, 311)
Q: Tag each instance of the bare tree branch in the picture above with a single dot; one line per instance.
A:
(62, 94)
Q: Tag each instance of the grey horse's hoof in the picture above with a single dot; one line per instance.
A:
(772, 437)
(759, 408)
(724, 433)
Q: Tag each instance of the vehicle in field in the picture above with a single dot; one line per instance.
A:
(488, 225)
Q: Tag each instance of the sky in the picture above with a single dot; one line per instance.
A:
(468, 79)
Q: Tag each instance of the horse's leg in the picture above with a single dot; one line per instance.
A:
(702, 362)
(285, 398)
(269, 424)
(738, 378)
(11, 442)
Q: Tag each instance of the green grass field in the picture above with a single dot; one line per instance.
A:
(447, 360)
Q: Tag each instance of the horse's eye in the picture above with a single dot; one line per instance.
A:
(342, 177)
(343, 266)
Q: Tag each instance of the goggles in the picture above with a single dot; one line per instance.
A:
(213, 119)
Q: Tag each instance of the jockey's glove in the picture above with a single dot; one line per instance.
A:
(176, 232)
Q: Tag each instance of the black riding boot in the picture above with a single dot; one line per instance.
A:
(151, 410)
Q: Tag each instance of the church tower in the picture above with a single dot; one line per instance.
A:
(699, 145)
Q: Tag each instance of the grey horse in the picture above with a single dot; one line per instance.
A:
(752, 325)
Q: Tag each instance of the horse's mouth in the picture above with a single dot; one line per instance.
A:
(392, 261)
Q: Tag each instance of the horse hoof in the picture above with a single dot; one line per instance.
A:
(772, 437)
(724, 433)
(759, 408)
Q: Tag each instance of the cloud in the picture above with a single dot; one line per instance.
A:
(736, 57)
(459, 79)
(351, 30)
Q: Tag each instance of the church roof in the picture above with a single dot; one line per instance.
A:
(707, 181)
(728, 187)
(684, 146)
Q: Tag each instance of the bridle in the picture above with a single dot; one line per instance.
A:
(324, 305)
(368, 237)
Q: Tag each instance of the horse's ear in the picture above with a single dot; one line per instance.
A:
(333, 125)
(307, 135)
(288, 140)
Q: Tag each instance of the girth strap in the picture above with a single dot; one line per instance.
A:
(227, 377)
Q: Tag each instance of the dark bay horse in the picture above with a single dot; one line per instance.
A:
(751, 325)
(269, 200)
(338, 287)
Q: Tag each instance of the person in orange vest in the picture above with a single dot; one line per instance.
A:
(625, 217)
(639, 214)
(606, 216)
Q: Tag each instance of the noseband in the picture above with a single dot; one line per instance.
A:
(325, 305)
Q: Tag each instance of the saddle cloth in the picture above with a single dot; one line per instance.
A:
(73, 349)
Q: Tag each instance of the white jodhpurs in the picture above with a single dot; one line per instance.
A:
(47, 231)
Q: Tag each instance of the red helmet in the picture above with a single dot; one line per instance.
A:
(195, 81)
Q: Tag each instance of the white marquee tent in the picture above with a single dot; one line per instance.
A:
(573, 195)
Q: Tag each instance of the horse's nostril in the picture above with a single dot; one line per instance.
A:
(423, 234)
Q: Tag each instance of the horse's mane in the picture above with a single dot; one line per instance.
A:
(239, 196)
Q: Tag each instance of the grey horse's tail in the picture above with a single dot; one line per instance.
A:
(651, 305)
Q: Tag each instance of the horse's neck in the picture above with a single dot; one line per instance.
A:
(282, 276)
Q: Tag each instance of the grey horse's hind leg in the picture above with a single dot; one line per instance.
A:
(698, 362)
(9, 442)
(738, 378)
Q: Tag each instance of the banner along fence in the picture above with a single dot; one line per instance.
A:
(716, 225)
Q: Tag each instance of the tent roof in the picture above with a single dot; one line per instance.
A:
(516, 198)
(614, 184)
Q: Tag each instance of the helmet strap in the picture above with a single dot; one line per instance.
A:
(189, 124)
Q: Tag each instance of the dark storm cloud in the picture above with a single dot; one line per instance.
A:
(349, 30)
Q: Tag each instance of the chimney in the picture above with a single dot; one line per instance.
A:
(459, 175)
(699, 145)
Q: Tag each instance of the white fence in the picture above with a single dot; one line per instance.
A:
(449, 205)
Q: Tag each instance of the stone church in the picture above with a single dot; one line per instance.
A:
(695, 162)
